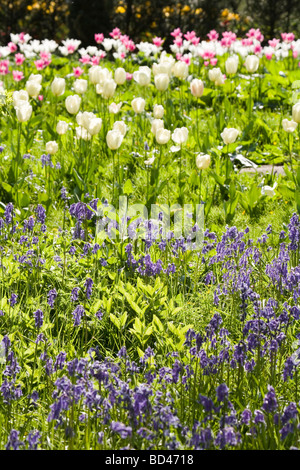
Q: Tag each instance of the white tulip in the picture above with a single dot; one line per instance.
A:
(142, 76)
(58, 86)
(229, 135)
(121, 127)
(214, 74)
(269, 190)
(120, 76)
(289, 126)
(114, 139)
(138, 105)
(231, 65)
(197, 87)
(33, 88)
(162, 136)
(161, 81)
(51, 147)
(62, 127)
(21, 95)
(37, 77)
(109, 88)
(94, 126)
(115, 108)
(180, 70)
(180, 135)
(156, 124)
(23, 111)
(202, 161)
(80, 86)
(251, 63)
(73, 104)
(82, 133)
(296, 112)
(158, 111)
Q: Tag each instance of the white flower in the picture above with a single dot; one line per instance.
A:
(180, 135)
(161, 81)
(51, 147)
(61, 127)
(202, 161)
(73, 104)
(23, 111)
(121, 127)
(251, 63)
(21, 95)
(80, 86)
(138, 105)
(231, 65)
(58, 86)
(289, 126)
(156, 124)
(115, 108)
(158, 111)
(162, 136)
(197, 87)
(296, 112)
(142, 76)
(120, 76)
(269, 190)
(114, 139)
(229, 135)
(33, 88)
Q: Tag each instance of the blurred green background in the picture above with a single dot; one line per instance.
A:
(144, 19)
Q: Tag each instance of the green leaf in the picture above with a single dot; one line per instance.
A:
(127, 188)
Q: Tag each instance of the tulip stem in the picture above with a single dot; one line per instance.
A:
(200, 185)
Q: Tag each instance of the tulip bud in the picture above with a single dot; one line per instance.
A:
(197, 87)
(214, 74)
(115, 108)
(229, 135)
(36, 78)
(143, 76)
(156, 124)
(158, 111)
(202, 161)
(120, 76)
(94, 126)
(138, 105)
(114, 139)
(21, 95)
(180, 135)
(95, 74)
(33, 88)
(296, 112)
(161, 81)
(23, 111)
(180, 70)
(251, 63)
(80, 86)
(61, 127)
(162, 136)
(58, 86)
(73, 104)
(120, 126)
(231, 65)
(51, 147)
(109, 88)
(289, 126)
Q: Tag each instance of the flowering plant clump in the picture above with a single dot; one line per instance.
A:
(149, 243)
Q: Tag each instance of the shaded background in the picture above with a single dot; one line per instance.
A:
(144, 19)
